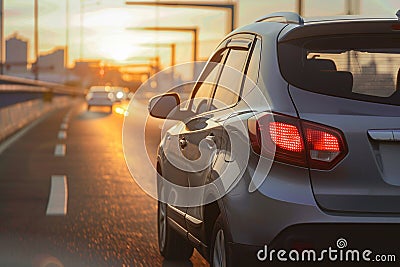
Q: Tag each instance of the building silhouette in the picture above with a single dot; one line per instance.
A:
(16, 55)
(51, 62)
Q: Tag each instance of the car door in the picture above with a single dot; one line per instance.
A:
(205, 132)
(180, 155)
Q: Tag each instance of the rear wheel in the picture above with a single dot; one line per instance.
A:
(172, 246)
(219, 254)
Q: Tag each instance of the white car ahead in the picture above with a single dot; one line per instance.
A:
(100, 96)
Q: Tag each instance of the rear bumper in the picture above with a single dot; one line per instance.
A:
(284, 213)
(363, 244)
(379, 237)
(244, 255)
(103, 103)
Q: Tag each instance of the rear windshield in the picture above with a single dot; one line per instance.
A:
(100, 94)
(361, 67)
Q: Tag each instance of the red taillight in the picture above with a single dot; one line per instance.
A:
(297, 142)
(322, 141)
(286, 136)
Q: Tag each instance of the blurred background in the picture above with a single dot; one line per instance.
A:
(87, 42)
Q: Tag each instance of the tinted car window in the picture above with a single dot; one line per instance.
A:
(364, 67)
(203, 90)
(229, 84)
(100, 94)
(253, 68)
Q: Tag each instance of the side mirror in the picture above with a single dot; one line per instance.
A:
(161, 106)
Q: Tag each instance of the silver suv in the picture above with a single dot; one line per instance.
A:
(317, 105)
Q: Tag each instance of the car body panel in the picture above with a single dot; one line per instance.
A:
(100, 102)
(367, 179)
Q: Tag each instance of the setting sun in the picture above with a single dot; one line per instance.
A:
(118, 52)
(116, 48)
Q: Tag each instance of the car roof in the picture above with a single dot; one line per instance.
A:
(294, 18)
(295, 21)
(283, 23)
(345, 19)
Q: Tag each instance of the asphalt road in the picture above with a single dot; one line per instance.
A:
(106, 220)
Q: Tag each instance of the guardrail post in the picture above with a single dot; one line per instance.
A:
(48, 96)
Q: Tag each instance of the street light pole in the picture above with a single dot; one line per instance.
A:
(81, 29)
(173, 54)
(172, 46)
(300, 7)
(353, 7)
(66, 33)
(195, 42)
(229, 6)
(176, 29)
(36, 34)
(154, 62)
(2, 37)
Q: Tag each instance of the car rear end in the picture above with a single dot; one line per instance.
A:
(349, 79)
(99, 96)
(344, 80)
(336, 170)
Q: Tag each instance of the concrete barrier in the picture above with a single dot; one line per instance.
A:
(17, 116)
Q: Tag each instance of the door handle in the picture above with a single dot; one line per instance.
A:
(183, 143)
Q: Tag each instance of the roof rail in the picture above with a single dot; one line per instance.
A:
(286, 17)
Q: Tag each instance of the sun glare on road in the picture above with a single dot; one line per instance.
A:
(121, 111)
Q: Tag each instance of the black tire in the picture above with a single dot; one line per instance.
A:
(172, 246)
(219, 235)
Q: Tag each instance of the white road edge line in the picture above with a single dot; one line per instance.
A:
(64, 126)
(62, 135)
(60, 150)
(58, 199)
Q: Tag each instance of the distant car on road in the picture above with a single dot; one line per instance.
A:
(100, 96)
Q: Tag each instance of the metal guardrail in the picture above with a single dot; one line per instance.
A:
(14, 90)
(23, 101)
(16, 84)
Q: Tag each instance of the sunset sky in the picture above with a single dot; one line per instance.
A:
(106, 23)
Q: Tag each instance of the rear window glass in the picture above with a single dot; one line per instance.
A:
(100, 94)
(365, 67)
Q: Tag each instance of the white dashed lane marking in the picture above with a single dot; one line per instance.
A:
(60, 150)
(64, 126)
(62, 135)
(58, 199)
(59, 190)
